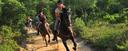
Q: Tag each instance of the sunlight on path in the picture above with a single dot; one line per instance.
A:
(37, 44)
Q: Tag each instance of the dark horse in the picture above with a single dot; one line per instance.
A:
(44, 28)
(66, 32)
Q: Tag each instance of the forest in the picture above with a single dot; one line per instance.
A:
(101, 23)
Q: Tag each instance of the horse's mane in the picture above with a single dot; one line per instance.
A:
(65, 18)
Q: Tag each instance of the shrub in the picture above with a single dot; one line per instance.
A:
(8, 43)
(104, 36)
(123, 46)
(6, 32)
(78, 25)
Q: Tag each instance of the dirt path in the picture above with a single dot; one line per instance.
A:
(36, 43)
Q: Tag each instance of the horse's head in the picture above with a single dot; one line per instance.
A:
(66, 10)
(66, 16)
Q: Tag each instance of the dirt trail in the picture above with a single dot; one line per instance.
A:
(36, 43)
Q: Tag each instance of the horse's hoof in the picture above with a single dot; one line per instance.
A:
(67, 50)
(46, 46)
(53, 39)
(37, 34)
(74, 48)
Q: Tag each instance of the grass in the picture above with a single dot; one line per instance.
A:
(104, 36)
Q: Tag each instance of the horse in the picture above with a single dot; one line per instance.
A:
(66, 32)
(44, 28)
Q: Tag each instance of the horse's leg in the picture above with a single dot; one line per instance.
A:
(75, 45)
(72, 37)
(37, 28)
(65, 45)
(50, 31)
(45, 40)
(49, 38)
(38, 32)
(47, 30)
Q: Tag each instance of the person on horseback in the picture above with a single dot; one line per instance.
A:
(43, 26)
(37, 23)
(41, 18)
(58, 11)
(28, 22)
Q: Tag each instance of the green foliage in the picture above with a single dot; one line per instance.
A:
(6, 32)
(78, 25)
(111, 18)
(0, 7)
(101, 22)
(120, 17)
(11, 21)
(124, 3)
(8, 43)
(12, 7)
(103, 36)
(10, 11)
(123, 47)
(81, 3)
(48, 14)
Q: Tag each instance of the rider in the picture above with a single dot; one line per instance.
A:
(40, 19)
(37, 24)
(58, 11)
(29, 22)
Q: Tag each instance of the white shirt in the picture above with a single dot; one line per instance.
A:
(57, 10)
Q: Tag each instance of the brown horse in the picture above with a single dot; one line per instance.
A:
(44, 28)
(65, 31)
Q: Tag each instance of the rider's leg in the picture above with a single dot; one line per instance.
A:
(55, 30)
(55, 35)
(38, 28)
(31, 24)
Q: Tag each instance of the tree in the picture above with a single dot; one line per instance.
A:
(0, 7)
(10, 11)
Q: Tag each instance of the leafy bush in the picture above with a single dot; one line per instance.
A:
(123, 47)
(6, 32)
(102, 36)
(8, 43)
(0, 7)
(48, 14)
(10, 11)
(78, 25)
